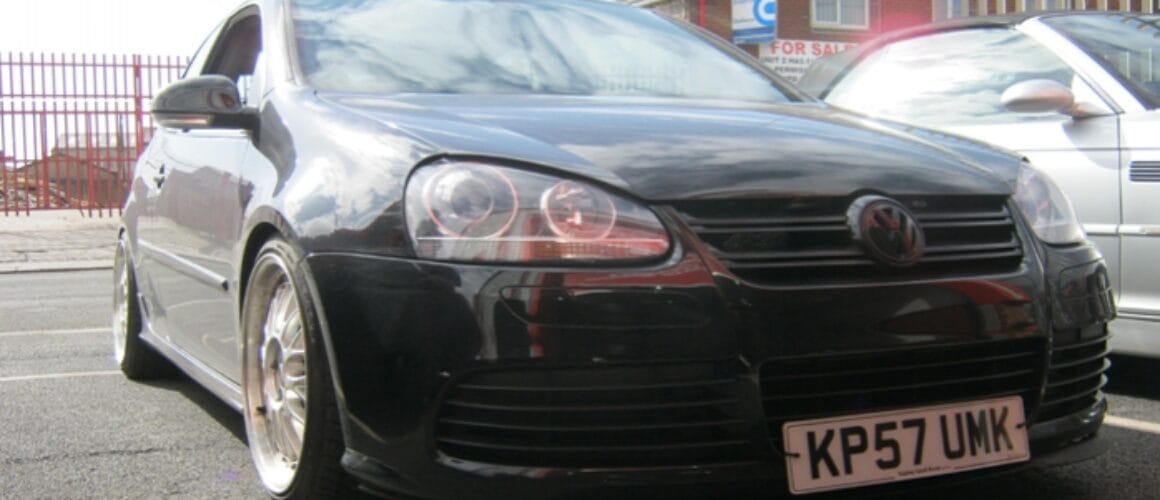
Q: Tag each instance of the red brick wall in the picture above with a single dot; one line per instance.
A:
(896, 14)
(718, 18)
(717, 15)
(793, 19)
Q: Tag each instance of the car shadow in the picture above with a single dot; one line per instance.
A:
(1134, 376)
(224, 414)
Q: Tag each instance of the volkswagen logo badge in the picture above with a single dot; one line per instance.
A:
(886, 230)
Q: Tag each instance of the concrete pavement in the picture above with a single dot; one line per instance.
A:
(56, 240)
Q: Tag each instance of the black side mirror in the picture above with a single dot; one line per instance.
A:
(202, 102)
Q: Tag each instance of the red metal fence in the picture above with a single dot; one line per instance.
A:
(71, 127)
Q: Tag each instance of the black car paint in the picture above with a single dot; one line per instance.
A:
(327, 172)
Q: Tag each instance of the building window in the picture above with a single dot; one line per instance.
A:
(840, 14)
(1031, 5)
(950, 9)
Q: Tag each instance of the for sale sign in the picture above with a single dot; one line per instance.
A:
(790, 58)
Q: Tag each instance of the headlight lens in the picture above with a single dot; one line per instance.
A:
(1046, 207)
(471, 211)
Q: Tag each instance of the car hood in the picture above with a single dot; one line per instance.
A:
(664, 149)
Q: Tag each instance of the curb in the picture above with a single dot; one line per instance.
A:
(38, 267)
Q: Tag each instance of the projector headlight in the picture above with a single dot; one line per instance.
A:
(473, 211)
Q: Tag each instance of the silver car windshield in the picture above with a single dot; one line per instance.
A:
(949, 78)
(1129, 46)
(516, 47)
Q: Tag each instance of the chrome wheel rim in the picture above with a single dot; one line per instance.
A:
(276, 388)
(121, 304)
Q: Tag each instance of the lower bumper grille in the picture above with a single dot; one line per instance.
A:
(659, 415)
(802, 388)
(651, 415)
(1076, 374)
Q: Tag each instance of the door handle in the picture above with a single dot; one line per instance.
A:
(159, 178)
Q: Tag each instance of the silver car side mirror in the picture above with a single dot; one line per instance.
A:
(1045, 96)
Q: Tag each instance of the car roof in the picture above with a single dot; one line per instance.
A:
(997, 21)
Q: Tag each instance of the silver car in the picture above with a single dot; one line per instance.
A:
(1075, 92)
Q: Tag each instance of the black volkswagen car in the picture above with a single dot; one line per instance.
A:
(520, 249)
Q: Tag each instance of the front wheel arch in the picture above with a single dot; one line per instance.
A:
(277, 278)
(268, 224)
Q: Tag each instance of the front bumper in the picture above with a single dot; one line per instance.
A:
(459, 381)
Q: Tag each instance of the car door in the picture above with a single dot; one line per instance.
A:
(1122, 55)
(1139, 303)
(954, 81)
(147, 184)
(196, 222)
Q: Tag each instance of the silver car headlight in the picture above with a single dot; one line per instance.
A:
(474, 211)
(1046, 208)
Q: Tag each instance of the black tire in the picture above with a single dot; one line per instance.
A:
(273, 352)
(137, 360)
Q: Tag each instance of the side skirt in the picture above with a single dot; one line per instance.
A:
(222, 387)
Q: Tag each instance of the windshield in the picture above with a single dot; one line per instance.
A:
(1129, 46)
(515, 47)
(949, 78)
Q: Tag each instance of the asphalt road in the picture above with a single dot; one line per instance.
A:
(72, 427)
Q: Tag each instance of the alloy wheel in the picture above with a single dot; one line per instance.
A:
(122, 301)
(276, 382)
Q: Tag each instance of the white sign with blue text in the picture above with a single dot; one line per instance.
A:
(754, 21)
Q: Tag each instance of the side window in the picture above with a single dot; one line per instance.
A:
(1133, 54)
(950, 78)
(198, 62)
(237, 52)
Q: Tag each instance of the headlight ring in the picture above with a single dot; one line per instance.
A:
(474, 211)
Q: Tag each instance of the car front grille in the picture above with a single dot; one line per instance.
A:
(606, 416)
(796, 242)
(807, 387)
(673, 414)
(1076, 375)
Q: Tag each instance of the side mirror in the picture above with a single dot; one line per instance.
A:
(1046, 96)
(209, 101)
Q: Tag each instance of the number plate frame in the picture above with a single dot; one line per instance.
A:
(878, 448)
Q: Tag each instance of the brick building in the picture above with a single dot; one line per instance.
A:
(808, 29)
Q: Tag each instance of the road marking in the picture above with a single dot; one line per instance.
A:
(76, 331)
(1136, 425)
(49, 376)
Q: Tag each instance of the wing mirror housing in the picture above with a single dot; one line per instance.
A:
(203, 102)
(1048, 96)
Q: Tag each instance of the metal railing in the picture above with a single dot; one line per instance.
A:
(72, 126)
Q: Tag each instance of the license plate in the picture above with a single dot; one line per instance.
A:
(874, 448)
